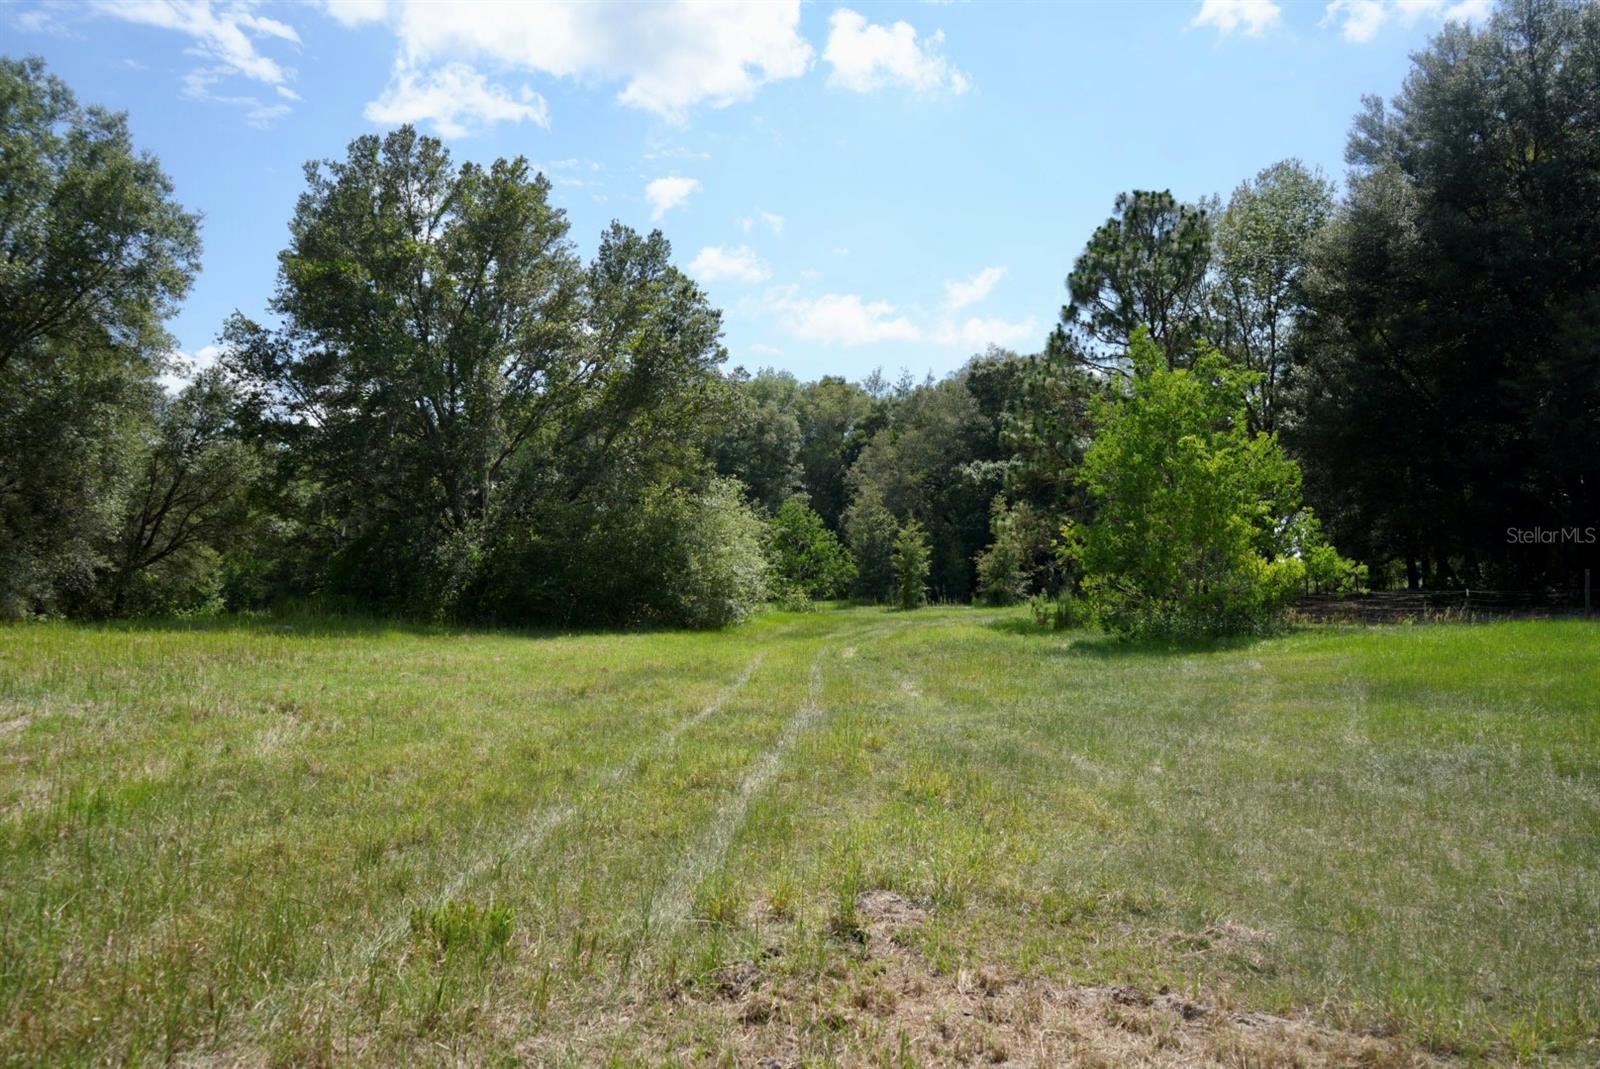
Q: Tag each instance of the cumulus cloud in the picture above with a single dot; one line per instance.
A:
(961, 292)
(848, 319)
(865, 56)
(455, 99)
(1254, 17)
(715, 262)
(356, 12)
(1360, 20)
(980, 333)
(669, 57)
(665, 194)
(841, 318)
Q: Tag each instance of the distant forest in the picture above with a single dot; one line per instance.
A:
(446, 413)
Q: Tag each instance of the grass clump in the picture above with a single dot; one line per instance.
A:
(454, 928)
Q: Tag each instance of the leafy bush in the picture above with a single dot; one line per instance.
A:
(1199, 528)
(1329, 573)
(911, 560)
(1018, 559)
(1062, 612)
(719, 572)
(871, 529)
(807, 558)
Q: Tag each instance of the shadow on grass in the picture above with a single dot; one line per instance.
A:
(1085, 643)
(325, 623)
(322, 625)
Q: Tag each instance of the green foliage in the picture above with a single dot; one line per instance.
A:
(1199, 528)
(1020, 558)
(188, 500)
(1263, 242)
(1003, 568)
(937, 460)
(837, 419)
(910, 559)
(478, 415)
(807, 558)
(720, 574)
(871, 529)
(1144, 267)
(1446, 380)
(97, 250)
(1326, 571)
(1059, 612)
(674, 555)
(758, 437)
(94, 253)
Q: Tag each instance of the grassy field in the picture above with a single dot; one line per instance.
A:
(851, 837)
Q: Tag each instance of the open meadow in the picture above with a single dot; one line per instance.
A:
(842, 837)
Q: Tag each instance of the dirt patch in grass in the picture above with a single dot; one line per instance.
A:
(892, 1008)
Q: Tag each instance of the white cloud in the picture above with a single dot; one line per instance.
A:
(1411, 11)
(665, 194)
(771, 220)
(962, 292)
(1255, 17)
(197, 85)
(1360, 20)
(225, 35)
(356, 12)
(976, 333)
(182, 367)
(848, 319)
(715, 262)
(865, 57)
(841, 318)
(455, 98)
(668, 57)
(38, 20)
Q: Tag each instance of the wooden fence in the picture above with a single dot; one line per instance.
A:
(1437, 606)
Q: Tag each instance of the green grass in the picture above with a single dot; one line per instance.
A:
(293, 841)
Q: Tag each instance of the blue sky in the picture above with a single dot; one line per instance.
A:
(856, 185)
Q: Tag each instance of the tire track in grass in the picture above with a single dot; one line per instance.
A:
(712, 847)
(548, 821)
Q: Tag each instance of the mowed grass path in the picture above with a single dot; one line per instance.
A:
(302, 841)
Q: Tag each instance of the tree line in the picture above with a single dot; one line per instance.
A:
(447, 413)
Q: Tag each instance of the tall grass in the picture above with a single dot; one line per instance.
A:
(302, 840)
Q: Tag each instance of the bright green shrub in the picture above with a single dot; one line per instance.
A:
(911, 559)
(1199, 528)
(808, 560)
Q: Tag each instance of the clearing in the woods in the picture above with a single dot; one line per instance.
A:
(851, 837)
